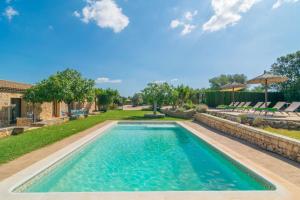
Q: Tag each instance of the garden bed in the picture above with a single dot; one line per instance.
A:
(188, 114)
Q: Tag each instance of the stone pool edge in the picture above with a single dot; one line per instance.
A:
(9, 184)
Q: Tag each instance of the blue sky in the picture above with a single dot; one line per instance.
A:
(125, 44)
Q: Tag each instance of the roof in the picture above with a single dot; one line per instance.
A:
(233, 86)
(268, 78)
(11, 86)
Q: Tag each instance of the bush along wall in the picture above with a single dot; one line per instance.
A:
(215, 98)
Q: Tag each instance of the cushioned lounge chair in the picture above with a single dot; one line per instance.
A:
(257, 105)
(244, 107)
(277, 107)
(230, 106)
(262, 107)
(292, 108)
(274, 109)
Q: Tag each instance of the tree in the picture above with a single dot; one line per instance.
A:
(174, 98)
(196, 95)
(75, 87)
(217, 82)
(107, 97)
(156, 94)
(289, 66)
(68, 86)
(97, 93)
(34, 95)
(258, 88)
(183, 94)
(137, 99)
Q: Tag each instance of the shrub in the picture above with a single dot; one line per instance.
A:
(202, 108)
(258, 122)
(189, 105)
(238, 120)
(180, 109)
(244, 118)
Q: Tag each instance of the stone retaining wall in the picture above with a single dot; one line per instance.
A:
(5, 132)
(24, 121)
(287, 147)
(12, 131)
(180, 114)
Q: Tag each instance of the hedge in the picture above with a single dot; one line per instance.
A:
(215, 98)
(292, 95)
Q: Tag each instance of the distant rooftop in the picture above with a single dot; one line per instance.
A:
(11, 86)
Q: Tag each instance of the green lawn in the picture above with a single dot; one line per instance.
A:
(289, 133)
(13, 147)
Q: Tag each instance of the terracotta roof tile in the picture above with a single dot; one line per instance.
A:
(11, 85)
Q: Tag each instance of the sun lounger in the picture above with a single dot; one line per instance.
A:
(264, 105)
(230, 106)
(245, 106)
(257, 105)
(292, 108)
(274, 109)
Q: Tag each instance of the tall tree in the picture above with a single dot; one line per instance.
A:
(289, 66)
(156, 94)
(34, 95)
(68, 86)
(174, 97)
(217, 82)
(107, 97)
(137, 99)
(183, 94)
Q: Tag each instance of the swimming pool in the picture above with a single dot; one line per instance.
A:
(146, 157)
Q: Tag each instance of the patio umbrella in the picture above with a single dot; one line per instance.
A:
(233, 87)
(266, 79)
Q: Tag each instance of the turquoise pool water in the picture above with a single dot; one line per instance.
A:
(146, 157)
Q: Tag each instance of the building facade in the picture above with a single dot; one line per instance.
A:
(13, 106)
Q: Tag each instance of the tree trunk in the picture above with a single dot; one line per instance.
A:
(33, 113)
(155, 107)
(96, 104)
(69, 109)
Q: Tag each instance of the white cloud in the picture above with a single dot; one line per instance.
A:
(187, 29)
(185, 23)
(164, 81)
(279, 3)
(190, 15)
(76, 14)
(10, 12)
(107, 80)
(105, 13)
(227, 13)
(175, 23)
(159, 82)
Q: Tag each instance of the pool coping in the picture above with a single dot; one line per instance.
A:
(284, 189)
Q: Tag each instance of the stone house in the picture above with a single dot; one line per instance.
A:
(13, 106)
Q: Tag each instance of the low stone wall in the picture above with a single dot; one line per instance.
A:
(55, 121)
(5, 132)
(12, 131)
(287, 147)
(189, 114)
(24, 121)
